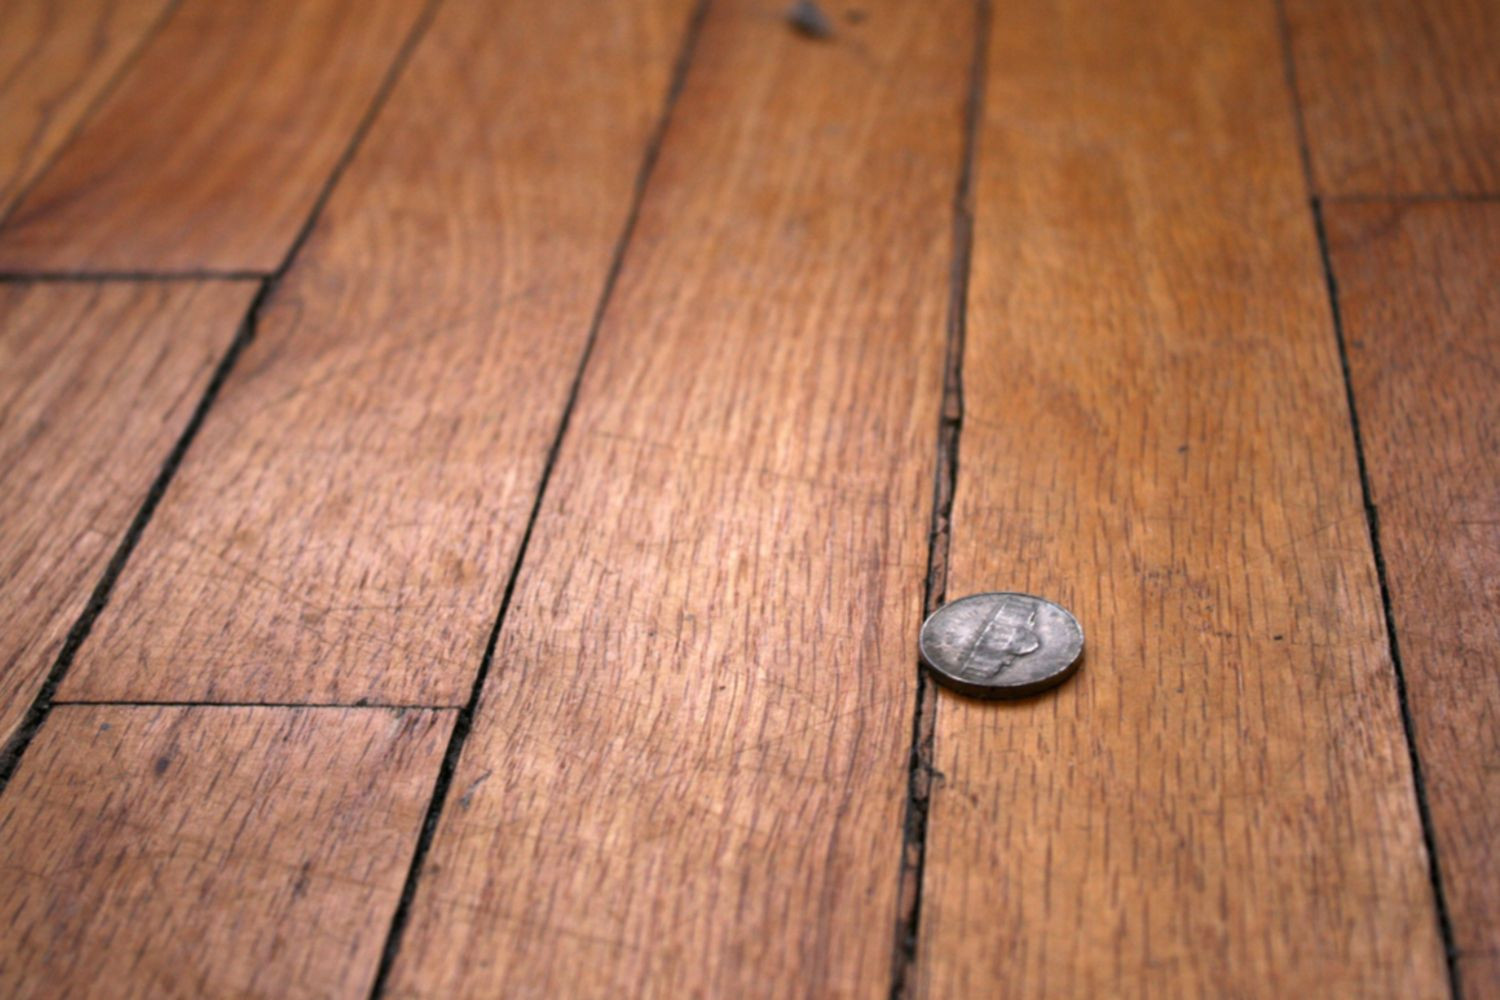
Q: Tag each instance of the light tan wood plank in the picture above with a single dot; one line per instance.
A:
(55, 62)
(1156, 435)
(210, 154)
(96, 384)
(1419, 288)
(1400, 96)
(344, 527)
(688, 772)
(210, 852)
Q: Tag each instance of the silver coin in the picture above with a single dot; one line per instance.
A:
(1001, 645)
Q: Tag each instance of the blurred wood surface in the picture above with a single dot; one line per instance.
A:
(1419, 288)
(533, 610)
(1155, 435)
(346, 526)
(96, 385)
(725, 577)
(211, 151)
(55, 61)
(209, 852)
(1401, 97)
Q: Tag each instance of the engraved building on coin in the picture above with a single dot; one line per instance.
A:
(1001, 645)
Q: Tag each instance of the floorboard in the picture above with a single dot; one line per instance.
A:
(345, 527)
(1401, 97)
(472, 473)
(96, 385)
(1419, 290)
(726, 574)
(1156, 435)
(56, 60)
(209, 852)
(210, 152)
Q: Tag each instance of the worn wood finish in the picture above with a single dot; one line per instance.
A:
(212, 150)
(688, 770)
(1400, 96)
(1156, 435)
(209, 852)
(96, 384)
(345, 529)
(55, 61)
(1419, 287)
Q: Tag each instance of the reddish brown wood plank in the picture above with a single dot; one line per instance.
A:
(1419, 287)
(96, 384)
(55, 61)
(210, 153)
(1156, 435)
(344, 526)
(688, 772)
(201, 852)
(1400, 96)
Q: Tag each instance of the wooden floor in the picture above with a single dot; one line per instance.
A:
(472, 473)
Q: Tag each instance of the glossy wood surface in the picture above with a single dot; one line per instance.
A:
(1419, 289)
(96, 385)
(1156, 435)
(472, 472)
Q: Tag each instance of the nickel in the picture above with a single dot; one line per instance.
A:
(1001, 645)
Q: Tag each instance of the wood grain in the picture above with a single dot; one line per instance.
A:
(55, 62)
(1156, 435)
(1400, 96)
(209, 852)
(96, 385)
(210, 153)
(688, 771)
(344, 527)
(1419, 287)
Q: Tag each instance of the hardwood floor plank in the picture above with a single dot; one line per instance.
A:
(210, 154)
(1156, 435)
(688, 771)
(196, 852)
(96, 384)
(1400, 97)
(55, 61)
(345, 524)
(1419, 290)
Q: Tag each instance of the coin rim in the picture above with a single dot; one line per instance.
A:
(998, 691)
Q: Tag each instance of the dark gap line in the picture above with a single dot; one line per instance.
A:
(921, 772)
(464, 724)
(1372, 515)
(169, 703)
(105, 93)
(1372, 519)
(41, 706)
(94, 277)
